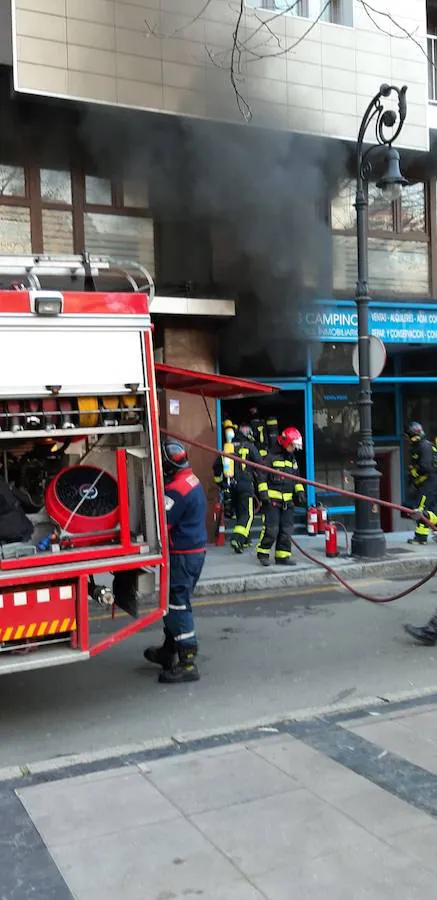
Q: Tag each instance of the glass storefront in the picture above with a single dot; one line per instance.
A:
(323, 404)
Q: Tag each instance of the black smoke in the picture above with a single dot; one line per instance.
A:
(264, 194)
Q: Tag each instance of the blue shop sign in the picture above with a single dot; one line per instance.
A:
(394, 325)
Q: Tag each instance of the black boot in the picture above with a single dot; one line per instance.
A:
(427, 634)
(288, 561)
(165, 656)
(264, 560)
(237, 546)
(184, 670)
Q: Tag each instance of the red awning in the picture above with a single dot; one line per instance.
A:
(205, 384)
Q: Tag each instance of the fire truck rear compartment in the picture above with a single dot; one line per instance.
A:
(79, 447)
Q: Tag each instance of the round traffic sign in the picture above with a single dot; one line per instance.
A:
(377, 357)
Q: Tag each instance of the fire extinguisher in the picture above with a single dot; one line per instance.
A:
(312, 520)
(331, 543)
(322, 518)
(219, 519)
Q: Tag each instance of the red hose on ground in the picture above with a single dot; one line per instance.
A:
(325, 487)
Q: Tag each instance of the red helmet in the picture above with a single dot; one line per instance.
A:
(290, 439)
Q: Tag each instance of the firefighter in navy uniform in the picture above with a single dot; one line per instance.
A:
(185, 503)
(422, 476)
(283, 495)
(243, 485)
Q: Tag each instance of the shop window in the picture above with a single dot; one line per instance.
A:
(12, 181)
(418, 362)
(57, 229)
(98, 191)
(336, 428)
(125, 237)
(15, 230)
(383, 414)
(55, 186)
(420, 405)
(332, 359)
(135, 194)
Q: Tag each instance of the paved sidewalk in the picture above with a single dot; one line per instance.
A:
(228, 573)
(335, 808)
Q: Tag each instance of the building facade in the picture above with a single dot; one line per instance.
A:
(122, 135)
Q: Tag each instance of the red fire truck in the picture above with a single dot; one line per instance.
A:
(81, 487)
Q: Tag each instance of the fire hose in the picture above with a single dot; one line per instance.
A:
(325, 487)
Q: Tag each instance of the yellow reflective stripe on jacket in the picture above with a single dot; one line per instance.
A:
(262, 487)
(280, 495)
(299, 488)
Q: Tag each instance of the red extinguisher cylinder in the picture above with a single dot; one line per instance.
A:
(312, 520)
(322, 518)
(331, 542)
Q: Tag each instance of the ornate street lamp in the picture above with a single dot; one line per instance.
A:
(368, 539)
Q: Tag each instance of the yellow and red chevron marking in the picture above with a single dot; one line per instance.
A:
(37, 629)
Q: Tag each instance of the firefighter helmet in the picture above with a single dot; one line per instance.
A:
(415, 431)
(174, 456)
(290, 439)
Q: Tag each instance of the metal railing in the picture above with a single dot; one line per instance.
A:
(432, 68)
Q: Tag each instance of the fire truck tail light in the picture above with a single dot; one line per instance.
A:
(46, 303)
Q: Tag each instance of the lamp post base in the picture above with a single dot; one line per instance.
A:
(368, 539)
(368, 544)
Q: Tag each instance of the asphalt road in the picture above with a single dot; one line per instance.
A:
(265, 656)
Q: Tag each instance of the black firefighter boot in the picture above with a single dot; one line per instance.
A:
(427, 634)
(165, 656)
(184, 670)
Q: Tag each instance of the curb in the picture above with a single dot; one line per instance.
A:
(239, 584)
(111, 758)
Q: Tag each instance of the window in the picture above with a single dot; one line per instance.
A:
(291, 7)
(98, 191)
(12, 182)
(332, 359)
(15, 230)
(37, 214)
(337, 12)
(398, 241)
(124, 237)
(55, 186)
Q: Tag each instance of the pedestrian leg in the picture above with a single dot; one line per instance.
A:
(283, 543)
(185, 571)
(269, 533)
(422, 531)
(241, 531)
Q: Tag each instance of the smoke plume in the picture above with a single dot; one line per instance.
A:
(262, 196)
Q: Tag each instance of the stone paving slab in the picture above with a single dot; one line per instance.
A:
(313, 812)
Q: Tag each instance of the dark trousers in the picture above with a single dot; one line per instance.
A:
(243, 502)
(277, 530)
(185, 569)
